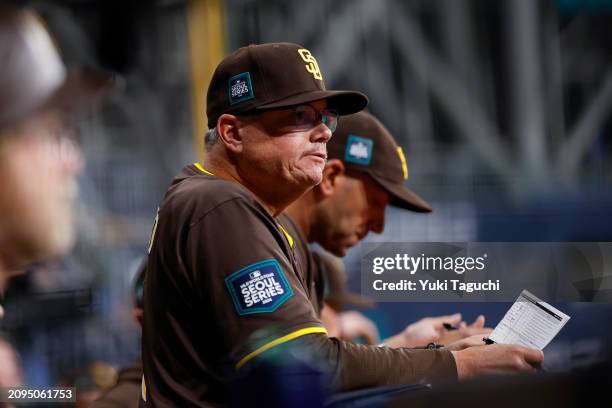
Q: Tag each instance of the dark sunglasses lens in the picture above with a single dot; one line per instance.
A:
(330, 119)
(305, 115)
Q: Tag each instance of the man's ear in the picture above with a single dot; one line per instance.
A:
(227, 128)
(332, 172)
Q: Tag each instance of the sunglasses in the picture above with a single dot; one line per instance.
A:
(307, 116)
(302, 117)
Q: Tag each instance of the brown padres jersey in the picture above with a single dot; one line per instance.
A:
(310, 267)
(224, 285)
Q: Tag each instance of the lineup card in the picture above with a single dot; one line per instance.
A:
(530, 322)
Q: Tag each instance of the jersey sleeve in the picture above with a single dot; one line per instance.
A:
(356, 366)
(243, 267)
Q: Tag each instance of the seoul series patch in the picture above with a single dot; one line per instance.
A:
(240, 88)
(359, 150)
(258, 288)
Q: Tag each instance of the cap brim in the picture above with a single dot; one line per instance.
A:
(403, 197)
(344, 102)
(82, 88)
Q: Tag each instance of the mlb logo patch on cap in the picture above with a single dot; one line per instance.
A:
(358, 150)
(240, 88)
(258, 288)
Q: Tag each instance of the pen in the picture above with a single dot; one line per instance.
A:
(449, 326)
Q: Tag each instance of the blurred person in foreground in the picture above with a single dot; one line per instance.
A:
(366, 170)
(224, 286)
(11, 374)
(39, 158)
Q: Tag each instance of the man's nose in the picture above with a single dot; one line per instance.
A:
(377, 223)
(320, 134)
(377, 227)
(71, 156)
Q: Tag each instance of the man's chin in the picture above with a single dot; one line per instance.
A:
(316, 176)
(310, 180)
(311, 173)
(59, 243)
(339, 251)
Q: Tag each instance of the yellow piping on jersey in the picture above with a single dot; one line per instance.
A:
(202, 169)
(280, 340)
(143, 390)
(289, 237)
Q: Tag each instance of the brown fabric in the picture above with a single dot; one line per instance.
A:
(272, 75)
(194, 330)
(126, 392)
(360, 366)
(193, 335)
(364, 144)
(308, 265)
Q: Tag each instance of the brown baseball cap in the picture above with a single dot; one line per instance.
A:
(32, 74)
(364, 144)
(272, 75)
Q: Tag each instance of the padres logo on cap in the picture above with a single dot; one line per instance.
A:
(311, 65)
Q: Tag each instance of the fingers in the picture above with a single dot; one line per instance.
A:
(472, 341)
(439, 321)
(369, 333)
(453, 319)
(475, 340)
(496, 359)
(471, 331)
(354, 324)
(479, 322)
(533, 356)
(525, 359)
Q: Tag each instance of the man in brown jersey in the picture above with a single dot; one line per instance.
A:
(224, 285)
(366, 170)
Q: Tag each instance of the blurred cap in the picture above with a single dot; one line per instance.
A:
(336, 286)
(272, 75)
(364, 144)
(32, 75)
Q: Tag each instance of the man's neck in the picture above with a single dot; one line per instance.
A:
(302, 211)
(273, 202)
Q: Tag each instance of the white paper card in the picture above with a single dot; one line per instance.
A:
(530, 322)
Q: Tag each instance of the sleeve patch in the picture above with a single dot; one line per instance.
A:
(258, 288)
